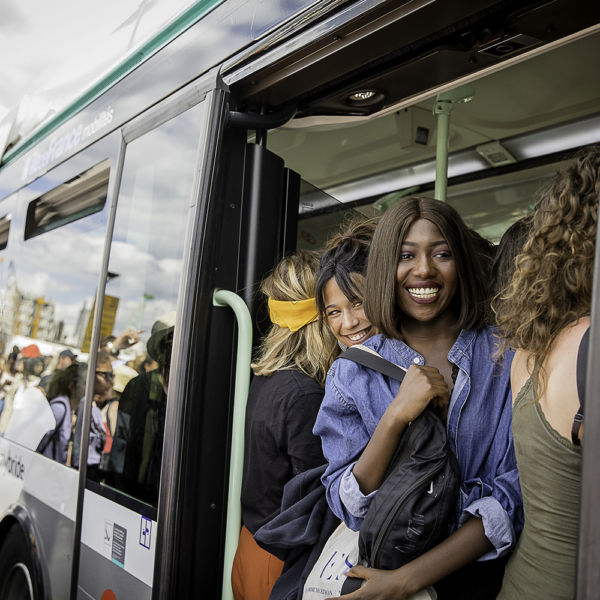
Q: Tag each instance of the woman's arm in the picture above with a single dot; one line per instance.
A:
(462, 547)
(419, 387)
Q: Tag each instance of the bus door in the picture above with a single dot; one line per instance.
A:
(189, 217)
(134, 384)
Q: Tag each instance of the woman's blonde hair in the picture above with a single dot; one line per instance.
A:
(552, 283)
(309, 349)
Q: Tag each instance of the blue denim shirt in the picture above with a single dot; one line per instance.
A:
(478, 426)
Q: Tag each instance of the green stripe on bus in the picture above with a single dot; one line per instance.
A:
(188, 18)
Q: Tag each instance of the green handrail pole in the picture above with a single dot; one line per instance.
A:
(236, 462)
(444, 103)
(442, 111)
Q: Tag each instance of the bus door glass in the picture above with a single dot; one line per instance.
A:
(119, 525)
(50, 265)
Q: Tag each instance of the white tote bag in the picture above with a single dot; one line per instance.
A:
(340, 554)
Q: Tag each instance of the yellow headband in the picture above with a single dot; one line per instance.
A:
(293, 315)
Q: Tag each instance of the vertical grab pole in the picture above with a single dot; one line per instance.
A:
(442, 111)
(444, 103)
(236, 461)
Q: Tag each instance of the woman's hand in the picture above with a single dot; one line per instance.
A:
(378, 585)
(420, 386)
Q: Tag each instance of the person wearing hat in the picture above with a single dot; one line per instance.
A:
(283, 402)
(136, 453)
(64, 360)
(31, 351)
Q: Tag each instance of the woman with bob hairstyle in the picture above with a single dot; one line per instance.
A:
(544, 314)
(284, 398)
(341, 283)
(427, 296)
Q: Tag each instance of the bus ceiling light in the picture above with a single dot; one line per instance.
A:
(365, 98)
(530, 145)
(556, 139)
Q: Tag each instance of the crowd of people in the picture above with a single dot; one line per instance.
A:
(489, 338)
(127, 412)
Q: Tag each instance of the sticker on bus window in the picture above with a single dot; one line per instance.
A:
(119, 541)
(145, 531)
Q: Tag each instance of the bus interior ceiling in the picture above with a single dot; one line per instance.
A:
(522, 122)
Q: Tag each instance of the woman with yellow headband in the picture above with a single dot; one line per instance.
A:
(284, 399)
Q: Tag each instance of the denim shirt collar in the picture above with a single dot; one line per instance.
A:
(459, 355)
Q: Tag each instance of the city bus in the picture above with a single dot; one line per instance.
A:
(139, 220)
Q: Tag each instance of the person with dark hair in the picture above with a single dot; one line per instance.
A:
(103, 382)
(64, 389)
(510, 246)
(427, 293)
(134, 461)
(544, 313)
(341, 283)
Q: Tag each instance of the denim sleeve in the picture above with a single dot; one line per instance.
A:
(496, 524)
(352, 498)
(343, 436)
(497, 500)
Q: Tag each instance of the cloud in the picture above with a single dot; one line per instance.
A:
(14, 19)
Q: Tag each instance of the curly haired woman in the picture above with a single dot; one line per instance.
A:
(543, 313)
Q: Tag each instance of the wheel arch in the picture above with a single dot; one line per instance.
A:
(19, 515)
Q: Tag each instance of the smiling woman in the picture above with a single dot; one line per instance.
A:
(341, 284)
(426, 293)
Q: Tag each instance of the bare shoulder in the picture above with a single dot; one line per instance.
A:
(560, 400)
(570, 336)
(520, 371)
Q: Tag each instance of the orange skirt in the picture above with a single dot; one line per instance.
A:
(254, 571)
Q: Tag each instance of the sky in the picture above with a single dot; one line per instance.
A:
(46, 45)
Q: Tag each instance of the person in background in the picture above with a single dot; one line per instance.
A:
(544, 314)
(510, 245)
(135, 457)
(113, 345)
(65, 359)
(341, 283)
(427, 293)
(110, 412)
(12, 379)
(63, 392)
(285, 395)
(103, 382)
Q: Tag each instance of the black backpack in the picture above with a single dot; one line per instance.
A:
(415, 507)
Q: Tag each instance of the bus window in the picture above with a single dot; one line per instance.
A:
(75, 199)
(142, 290)
(51, 279)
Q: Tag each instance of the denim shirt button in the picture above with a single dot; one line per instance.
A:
(417, 360)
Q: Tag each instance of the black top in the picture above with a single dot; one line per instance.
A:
(279, 443)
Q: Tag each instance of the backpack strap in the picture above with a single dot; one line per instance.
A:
(582, 356)
(52, 434)
(369, 358)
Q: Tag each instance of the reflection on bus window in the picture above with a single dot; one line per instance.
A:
(47, 312)
(142, 287)
(75, 199)
(4, 228)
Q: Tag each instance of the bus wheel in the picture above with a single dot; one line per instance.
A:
(16, 568)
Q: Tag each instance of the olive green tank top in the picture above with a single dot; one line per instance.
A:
(543, 564)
